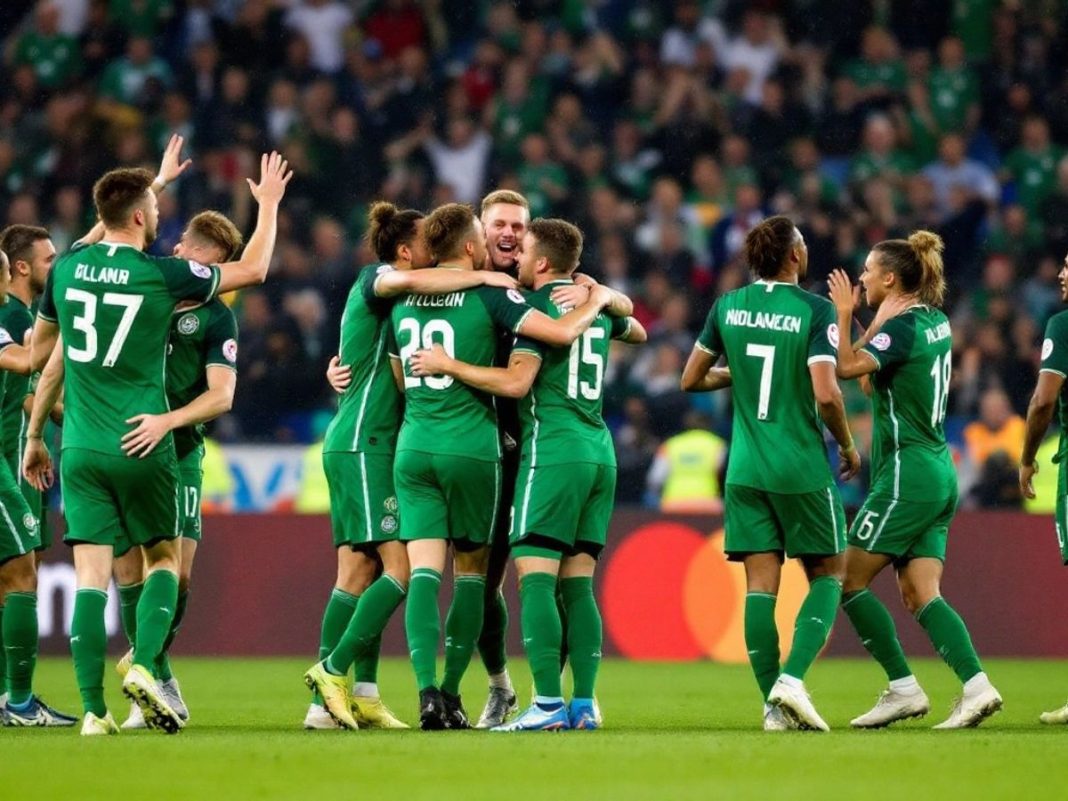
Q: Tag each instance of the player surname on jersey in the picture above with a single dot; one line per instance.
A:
(101, 275)
(436, 301)
(938, 333)
(776, 322)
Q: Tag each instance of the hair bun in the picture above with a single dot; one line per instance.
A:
(382, 212)
(923, 242)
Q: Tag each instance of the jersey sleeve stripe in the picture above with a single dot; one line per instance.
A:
(227, 365)
(1051, 370)
(45, 317)
(528, 351)
(521, 320)
(874, 358)
(216, 279)
(626, 331)
(821, 358)
(699, 346)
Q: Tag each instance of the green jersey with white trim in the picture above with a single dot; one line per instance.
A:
(770, 333)
(443, 415)
(201, 337)
(369, 412)
(15, 320)
(561, 417)
(910, 390)
(114, 306)
(1055, 360)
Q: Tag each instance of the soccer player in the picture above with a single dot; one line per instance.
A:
(447, 468)
(781, 497)
(564, 498)
(1051, 394)
(20, 531)
(201, 380)
(111, 306)
(358, 455)
(907, 351)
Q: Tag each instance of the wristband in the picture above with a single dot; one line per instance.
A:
(160, 182)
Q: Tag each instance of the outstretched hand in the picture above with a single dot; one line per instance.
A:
(843, 294)
(275, 176)
(171, 165)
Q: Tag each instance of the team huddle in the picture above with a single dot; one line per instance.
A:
(470, 372)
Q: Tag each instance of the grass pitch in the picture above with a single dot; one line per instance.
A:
(674, 731)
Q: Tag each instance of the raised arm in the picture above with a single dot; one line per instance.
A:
(853, 361)
(565, 330)
(251, 268)
(434, 281)
(1039, 415)
(513, 381)
(828, 397)
(216, 400)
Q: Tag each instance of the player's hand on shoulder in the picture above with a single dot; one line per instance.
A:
(338, 375)
(275, 176)
(498, 279)
(601, 295)
(569, 296)
(843, 294)
(429, 361)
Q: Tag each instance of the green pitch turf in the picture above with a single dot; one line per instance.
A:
(675, 731)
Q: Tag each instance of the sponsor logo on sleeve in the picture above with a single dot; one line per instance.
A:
(384, 268)
(229, 350)
(5, 337)
(881, 341)
(516, 296)
(1047, 348)
(832, 335)
(199, 270)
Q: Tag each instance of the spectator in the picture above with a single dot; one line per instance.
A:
(54, 55)
(136, 78)
(685, 475)
(953, 170)
(1032, 166)
(322, 23)
(997, 431)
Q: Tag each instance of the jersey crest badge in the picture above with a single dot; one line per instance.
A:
(832, 335)
(229, 350)
(29, 521)
(1047, 348)
(390, 504)
(199, 270)
(516, 296)
(389, 524)
(881, 341)
(188, 324)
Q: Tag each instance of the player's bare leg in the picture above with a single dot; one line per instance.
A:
(903, 698)
(355, 572)
(920, 583)
(422, 624)
(814, 622)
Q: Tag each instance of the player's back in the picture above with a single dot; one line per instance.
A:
(114, 305)
(442, 415)
(561, 416)
(771, 332)
(910, 457)
(369, 412)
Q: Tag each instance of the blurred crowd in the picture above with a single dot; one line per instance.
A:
(664, 129)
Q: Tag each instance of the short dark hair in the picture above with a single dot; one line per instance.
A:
(390, 228)
(119, 192)
(17, 241)
(215, 228)
(768, 245)
(558, 241)
(447, 228)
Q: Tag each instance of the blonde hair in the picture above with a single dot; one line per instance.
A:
(917, 262)
(503, 196)
(214, 228)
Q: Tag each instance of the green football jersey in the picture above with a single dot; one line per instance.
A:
(15, 320)
(200, 337)
(561, 415)
(910, 390)
(114, 305)
(770, 333)
(1055, 360)
(442, 415)
(369, 412)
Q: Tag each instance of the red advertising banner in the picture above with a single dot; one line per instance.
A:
(665, 588)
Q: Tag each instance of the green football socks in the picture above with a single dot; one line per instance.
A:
(88, 644)
(585, 634)
(362, 638)
(155, 613)
(950, 637)
(422, 624)
(762, 639)
(339, 611)
(491, 643)
(3, 659)
(877, 632)
(542, 631)
(20, 644)
(814, 622)
(462, 627)
(129, 595)
(163, 664)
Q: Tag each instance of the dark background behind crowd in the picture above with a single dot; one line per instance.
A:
(666, 130)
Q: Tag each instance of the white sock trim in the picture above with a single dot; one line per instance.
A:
(365, 689)
(501, 681)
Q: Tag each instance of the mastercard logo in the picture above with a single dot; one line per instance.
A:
(669, 593)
